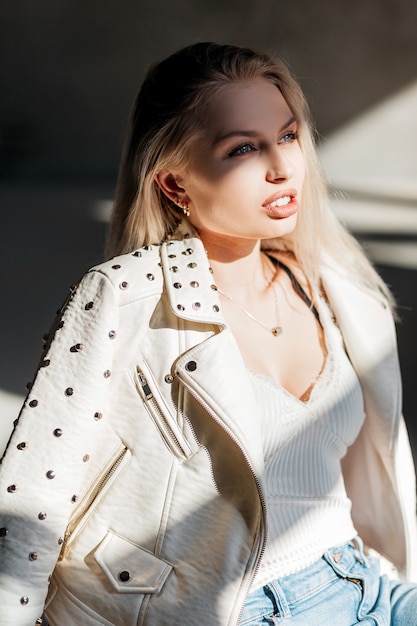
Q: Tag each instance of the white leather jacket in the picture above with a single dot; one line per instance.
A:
(131, 490)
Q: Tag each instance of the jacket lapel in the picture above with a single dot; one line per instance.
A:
(369, 334)
(217, 375)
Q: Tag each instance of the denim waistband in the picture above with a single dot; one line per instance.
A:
(338, 561)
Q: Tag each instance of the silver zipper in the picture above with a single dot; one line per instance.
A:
(258, 484)
(173, 438)
(92, 496)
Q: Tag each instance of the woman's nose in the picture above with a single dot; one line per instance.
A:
(280, 168)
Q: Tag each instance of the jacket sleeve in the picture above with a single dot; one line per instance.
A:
(45, 460)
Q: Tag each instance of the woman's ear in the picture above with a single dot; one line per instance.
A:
(170, 185)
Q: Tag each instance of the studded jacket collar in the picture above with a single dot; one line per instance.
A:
(138, 464)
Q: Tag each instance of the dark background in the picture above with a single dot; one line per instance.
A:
(69, 71)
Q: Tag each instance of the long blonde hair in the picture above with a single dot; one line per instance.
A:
(168, 116)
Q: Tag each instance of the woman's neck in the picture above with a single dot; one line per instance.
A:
(240, 268)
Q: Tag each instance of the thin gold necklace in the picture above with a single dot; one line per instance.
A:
(275, 330)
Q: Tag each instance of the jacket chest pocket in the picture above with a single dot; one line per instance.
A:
(163, 417)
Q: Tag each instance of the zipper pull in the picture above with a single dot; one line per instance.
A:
(64, 544)
(144, 384)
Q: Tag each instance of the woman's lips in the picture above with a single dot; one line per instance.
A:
(281, 206)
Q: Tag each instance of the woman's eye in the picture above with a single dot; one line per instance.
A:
(289, 137)
(243, 149)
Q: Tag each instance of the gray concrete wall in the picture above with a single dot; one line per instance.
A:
(70, 68)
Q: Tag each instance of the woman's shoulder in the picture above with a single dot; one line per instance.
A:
(129, 261)
(339, 285)
(133, 272)
(145, 263)
(336, 285)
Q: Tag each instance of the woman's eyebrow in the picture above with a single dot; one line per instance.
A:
(235, 133)
(248, 133)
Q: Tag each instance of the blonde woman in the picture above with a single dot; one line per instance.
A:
(214, 435)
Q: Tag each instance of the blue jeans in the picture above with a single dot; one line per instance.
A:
(343, 588)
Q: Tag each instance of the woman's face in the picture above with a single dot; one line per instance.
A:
(246, 172)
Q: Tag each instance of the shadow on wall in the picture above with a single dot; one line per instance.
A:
(63, 114)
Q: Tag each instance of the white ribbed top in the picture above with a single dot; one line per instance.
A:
(307, 506)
